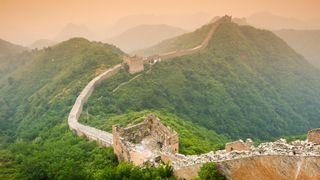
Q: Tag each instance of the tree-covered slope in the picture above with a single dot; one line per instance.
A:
(51, 79)
(10, 57)
(246, 83)
(185, 41)
(35, 141)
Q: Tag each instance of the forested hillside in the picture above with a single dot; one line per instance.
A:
(11, 56)
(246, 83)
(35, 99)
(35, 140)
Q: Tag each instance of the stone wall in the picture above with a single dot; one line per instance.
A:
(184, 52)
(134, 63)
(167, 136)
(125, 141)
(101, 137)
(314, 136)
(239, 145)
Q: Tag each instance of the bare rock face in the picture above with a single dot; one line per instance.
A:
(272, 167)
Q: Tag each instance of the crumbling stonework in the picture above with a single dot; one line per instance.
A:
(314, 136)
(146, 141)
(239, 145)
(135, 64)
(289, 157)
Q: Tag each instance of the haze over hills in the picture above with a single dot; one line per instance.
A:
(246, 83)
(185, 41)
(185, 21)
(270, 21)
(42, 43)
(143, 36)
(8, 48)
(10, 56)
(305, 42)
(73, 30)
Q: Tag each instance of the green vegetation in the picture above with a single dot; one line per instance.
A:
(193, 138)
(209, 171)
(246, 83)
(185, 41)
(11, 56)
(128, 171)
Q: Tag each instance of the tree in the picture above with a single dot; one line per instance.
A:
(209, 171)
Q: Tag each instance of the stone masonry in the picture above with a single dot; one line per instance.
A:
(239, 145)
(314, 136)
(145, 142)
(135, 64)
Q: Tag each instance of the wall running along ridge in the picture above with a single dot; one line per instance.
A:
(101, 137)
(105, 138)
(267, 161)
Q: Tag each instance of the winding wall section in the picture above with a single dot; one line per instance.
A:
(261, 167)
(101, 137)
(105, 138)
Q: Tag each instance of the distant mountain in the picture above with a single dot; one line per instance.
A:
(185, 41)
(7, 48)
(188, 22)
(73, 30)
(305, 42)
(143, 36)
(42, 43)
(270, 21)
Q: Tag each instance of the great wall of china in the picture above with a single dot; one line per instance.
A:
(278, 160)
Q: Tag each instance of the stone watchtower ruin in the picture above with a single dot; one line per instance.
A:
(314, 136)
(149, 141)
(135, 64)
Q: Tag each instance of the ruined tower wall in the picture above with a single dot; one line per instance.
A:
(314, 136)
(134, 63)
(268, 167)
(165, 135)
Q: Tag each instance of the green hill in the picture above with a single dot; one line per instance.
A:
(246, 83)
(7, 48)
(10, 57)
(35, 99)
(185, 41)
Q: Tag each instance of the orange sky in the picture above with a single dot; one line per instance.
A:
(23, 21)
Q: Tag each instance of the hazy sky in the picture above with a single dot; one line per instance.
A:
(23, 21)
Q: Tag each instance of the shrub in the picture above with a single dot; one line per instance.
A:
(210, 171)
